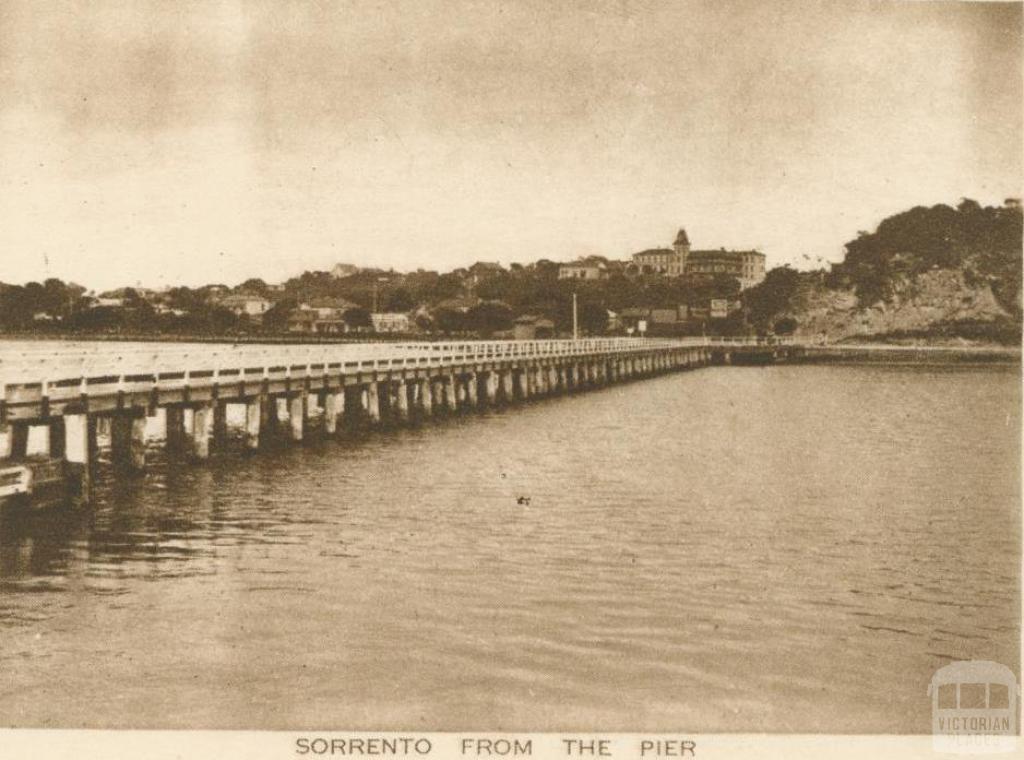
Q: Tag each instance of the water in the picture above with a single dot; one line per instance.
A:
(732, 549)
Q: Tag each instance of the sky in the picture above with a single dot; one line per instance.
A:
(162, 143)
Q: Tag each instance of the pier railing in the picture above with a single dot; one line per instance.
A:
(80, 368)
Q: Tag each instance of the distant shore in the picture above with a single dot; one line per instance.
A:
(881, 353)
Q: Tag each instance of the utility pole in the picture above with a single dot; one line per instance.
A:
(575, 319)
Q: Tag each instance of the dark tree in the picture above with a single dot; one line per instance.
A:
(399, 300)
(488, 318)
(358, 318)
(254, 285)
(451, 321)
(276, 317)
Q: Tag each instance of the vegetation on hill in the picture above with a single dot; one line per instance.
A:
(938, 272)
(983, 242)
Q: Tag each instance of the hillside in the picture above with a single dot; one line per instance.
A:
(938, 274)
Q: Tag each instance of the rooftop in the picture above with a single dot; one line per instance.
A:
(331, 303)
(655, 252)
(711, 253)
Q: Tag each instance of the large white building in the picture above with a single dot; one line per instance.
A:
(746, 266)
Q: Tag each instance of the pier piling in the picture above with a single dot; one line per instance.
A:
(350, 385)
(128, 440)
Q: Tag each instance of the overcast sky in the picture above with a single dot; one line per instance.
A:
(184, 143)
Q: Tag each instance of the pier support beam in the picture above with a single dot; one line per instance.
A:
(426, 396)
(472, 390)
(451, 393)
(79, 451)
(55, 428)
(270, 420)
(202, 431)
(17, 440)
(253, 420)
(174, 428)
(334, 408)
(385, 397)
(128, 441)
(6, 441)
(508, 390)
(439, 400)
(491, 388)
(373, 402)
(523, 376)
(352, 409)
(220, 425)
(402, 400)
(297, 406)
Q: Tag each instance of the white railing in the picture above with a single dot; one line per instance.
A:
(132, 363)
(129, 365)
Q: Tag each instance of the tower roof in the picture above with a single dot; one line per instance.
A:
(681, 238)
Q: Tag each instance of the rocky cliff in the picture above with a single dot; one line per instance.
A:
(936, 274)
(931, 302)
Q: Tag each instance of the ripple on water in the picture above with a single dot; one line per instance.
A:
(720, 547)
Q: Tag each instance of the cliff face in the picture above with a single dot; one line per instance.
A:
(931, 274)
(917, 304)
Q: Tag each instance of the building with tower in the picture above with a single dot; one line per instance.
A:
(678, 261)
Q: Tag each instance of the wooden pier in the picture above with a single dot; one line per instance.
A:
(286, 389)
(67, 392)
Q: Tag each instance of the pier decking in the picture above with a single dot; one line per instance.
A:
(70, 391)
(292, 391)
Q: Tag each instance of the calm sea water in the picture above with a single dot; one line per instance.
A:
(732, 549)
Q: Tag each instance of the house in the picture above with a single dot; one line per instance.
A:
(614, 321)
(720, 308)
(746, 266)
(635, 318)
(461, 304)
(391, 322)
(107, 301)
(670, 262)
(304, 320)
(321, 315)
(666, 316)
(529, 327)
(645, 319)
(245, 305)
(327, 306)
(484, 270)
(165, 308)
(116, 298)
(344, 270)
(656, 261)
(588, 268)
